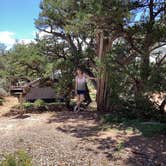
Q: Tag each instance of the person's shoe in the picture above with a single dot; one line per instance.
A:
(83, 106)
(76, 108)
(88, 102)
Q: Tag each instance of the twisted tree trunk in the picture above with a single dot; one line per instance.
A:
(104, 44)
(162, 106)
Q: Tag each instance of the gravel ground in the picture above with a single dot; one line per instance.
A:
(45, 142)
(69, 139)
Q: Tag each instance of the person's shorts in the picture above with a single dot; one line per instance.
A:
(81, 92)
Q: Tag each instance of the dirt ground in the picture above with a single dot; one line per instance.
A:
(64, 138)
(9, 102)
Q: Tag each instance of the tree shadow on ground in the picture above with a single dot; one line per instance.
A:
(135, 149)
(65, 116)
(146, 144)
(24, 116)
(85, 126)
(146, 150)
(80, 125)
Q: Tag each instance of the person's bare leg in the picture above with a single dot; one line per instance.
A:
(81, 99)
(76, 108)
(78, 99)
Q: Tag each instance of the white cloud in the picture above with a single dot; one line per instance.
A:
(43, 34)
(7, 38)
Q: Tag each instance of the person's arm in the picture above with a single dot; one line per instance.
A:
(90, 78)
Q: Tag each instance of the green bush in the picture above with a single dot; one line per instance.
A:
(39, 103)
(19, 158)
(1, 100)
(27, 105)
(147, 129)
(3, 92)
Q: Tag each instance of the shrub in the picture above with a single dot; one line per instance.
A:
(3, 92)
(147, 129)
(19, 158)
(1, 100)
(39, 103)
(27, 105)
(120, 146)
(3, 88)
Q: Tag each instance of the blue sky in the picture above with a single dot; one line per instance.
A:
(17, 19)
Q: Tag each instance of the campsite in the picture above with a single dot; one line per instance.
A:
(83, 83)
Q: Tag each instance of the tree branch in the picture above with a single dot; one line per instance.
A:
(161, 60)
(158, 46)
(159, 11)
(53, 33)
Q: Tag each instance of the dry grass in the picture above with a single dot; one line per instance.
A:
(9, 102)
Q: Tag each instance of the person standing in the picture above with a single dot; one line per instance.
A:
(80, 87)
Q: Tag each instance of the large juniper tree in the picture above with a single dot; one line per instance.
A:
(127, 35)
(68, 47)
(137, 29)
(62, 41)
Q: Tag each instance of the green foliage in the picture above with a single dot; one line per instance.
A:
(24, 62)
(3, 85)
(120, 146)
(150, 130)
(64, 45)
(147, 129)
(2, 100)
(2, 48)
(115, 118)
(126, 111)
(126, 84)
(3, 91)
(130, 75)
(27, 105)
(39, 103)
(19, 158)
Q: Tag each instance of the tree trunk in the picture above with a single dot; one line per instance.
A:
(145, 69)
(103, 89)
(138, 92)
(162, 106)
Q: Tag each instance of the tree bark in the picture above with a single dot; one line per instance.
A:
(162, 106)
(145, 69)
(104, 44)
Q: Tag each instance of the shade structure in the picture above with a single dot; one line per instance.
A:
(44, 93)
